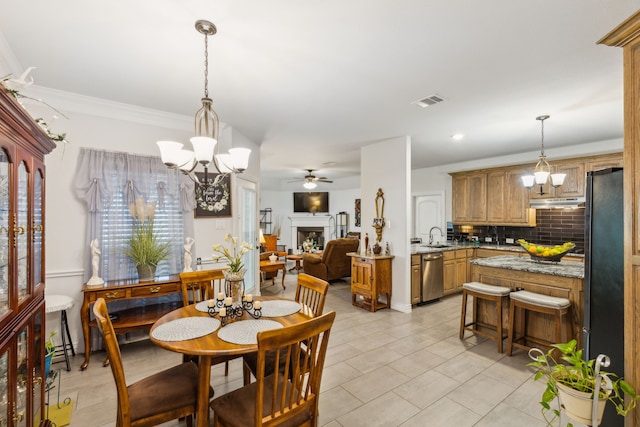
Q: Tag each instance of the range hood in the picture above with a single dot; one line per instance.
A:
(557, 203)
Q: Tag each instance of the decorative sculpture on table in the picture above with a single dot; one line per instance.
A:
(95, 279)
(378, 221)
(187, 254)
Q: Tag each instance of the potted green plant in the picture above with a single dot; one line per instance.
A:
(49, 352)
(574, 380)
(144, 248)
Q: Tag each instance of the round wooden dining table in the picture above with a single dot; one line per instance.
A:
(208, 346)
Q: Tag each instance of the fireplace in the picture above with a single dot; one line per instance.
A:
(302, 226)
(314, 234)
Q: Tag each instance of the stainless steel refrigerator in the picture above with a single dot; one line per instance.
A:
(604, 277)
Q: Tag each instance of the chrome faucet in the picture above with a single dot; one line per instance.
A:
(431, 233)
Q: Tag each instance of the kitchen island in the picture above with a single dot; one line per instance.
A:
(564, 279)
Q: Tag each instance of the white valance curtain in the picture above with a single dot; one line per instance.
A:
(108, 182)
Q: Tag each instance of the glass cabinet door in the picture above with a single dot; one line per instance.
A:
(37, 229)
(4, 234)
(22, 380)
(20, 231)
(4, 387)
(36, 353)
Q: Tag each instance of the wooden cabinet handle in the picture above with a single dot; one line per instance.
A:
(154, 289)
(111, 294)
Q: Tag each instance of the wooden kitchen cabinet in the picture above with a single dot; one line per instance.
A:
(455, 270)
(574, 181)
(370, 281)
(496, 196)
(470, 198)
(605, 162)
(516, 206)
(416, 278)
(23, 145)
(496, 205)
(460, 196)
(508, 200)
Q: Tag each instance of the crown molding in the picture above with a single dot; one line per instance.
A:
(69, 102)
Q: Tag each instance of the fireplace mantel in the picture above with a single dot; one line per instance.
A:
(309, 221)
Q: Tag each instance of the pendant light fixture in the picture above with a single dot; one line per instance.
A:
(206, 133)
(542, 172)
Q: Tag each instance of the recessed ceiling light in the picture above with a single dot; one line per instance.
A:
(457, 136)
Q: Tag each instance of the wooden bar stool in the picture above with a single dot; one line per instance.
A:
(481, 291)
(531, 301)
(61, 303)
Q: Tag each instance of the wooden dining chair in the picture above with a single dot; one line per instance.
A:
(156, 399)
(200, 286)
(311, 292)
(285, 397)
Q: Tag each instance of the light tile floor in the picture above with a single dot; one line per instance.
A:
(382, 369)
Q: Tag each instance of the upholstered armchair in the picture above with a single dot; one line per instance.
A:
(333, 263)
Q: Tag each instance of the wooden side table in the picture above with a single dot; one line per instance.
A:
(297, 259)
(267, 266)
(370, 280)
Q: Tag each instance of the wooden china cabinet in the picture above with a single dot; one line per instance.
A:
(23, 145)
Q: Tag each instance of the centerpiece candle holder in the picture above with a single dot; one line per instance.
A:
(227, 310)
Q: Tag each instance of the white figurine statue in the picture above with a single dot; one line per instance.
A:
(188, 261)
(95, 264)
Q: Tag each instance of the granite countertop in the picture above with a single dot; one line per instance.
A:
(423, 249)
(563, 268)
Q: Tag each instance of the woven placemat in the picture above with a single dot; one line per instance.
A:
(185, 328)
(245, 332)
(275, 308)
(203, 306)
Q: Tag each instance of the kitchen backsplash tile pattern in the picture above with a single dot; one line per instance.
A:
(554, 226)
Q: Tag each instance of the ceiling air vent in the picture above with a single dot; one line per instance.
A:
(429, 100)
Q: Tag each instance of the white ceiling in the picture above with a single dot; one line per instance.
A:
(313, 81)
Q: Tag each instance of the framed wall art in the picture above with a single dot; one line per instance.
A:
(213, 200)
(357, 213)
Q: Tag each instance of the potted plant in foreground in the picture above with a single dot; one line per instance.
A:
(574, 377)
(144, 248)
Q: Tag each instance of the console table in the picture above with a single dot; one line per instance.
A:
(131, 319)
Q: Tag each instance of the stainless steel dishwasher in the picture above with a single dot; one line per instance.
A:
(432, 278)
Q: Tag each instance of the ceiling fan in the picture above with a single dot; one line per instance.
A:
(310, 180)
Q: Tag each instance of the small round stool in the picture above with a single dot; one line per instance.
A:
(61, 303)
(530, 301)
(481, 291)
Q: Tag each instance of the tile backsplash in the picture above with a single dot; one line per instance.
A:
(554, 226)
